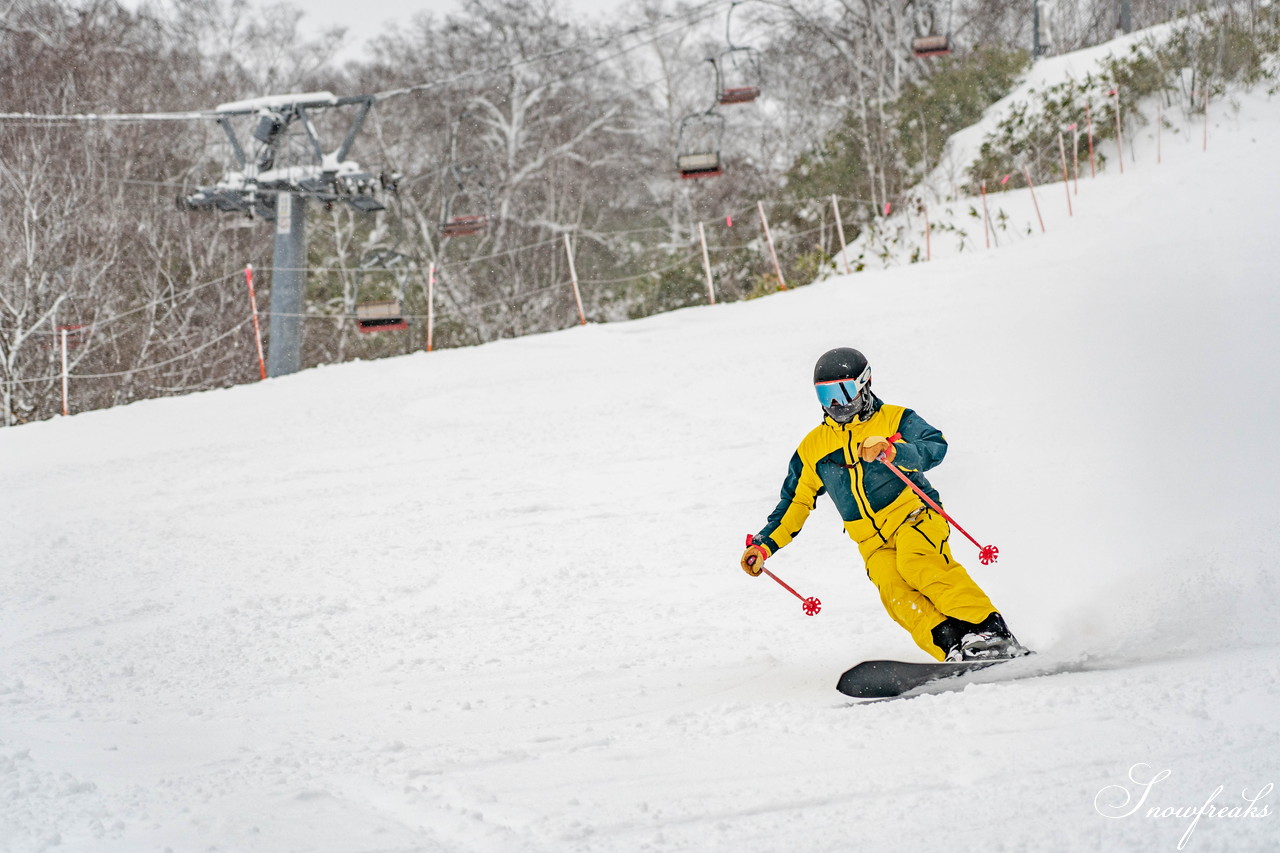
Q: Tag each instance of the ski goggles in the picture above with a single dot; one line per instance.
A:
(842, 392)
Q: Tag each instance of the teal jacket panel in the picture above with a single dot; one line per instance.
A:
(869, 497)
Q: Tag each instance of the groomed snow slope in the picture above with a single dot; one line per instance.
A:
(488, 599)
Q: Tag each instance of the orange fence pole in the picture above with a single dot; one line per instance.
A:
(257, 327)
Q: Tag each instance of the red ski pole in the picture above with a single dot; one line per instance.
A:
(811, 605)
(987, 554)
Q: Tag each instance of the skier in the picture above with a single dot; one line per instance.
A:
(902, 541)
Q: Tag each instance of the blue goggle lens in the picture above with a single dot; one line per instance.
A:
(838, 393)
(841, 392)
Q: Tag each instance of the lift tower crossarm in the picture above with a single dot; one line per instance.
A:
(279, 102)
(366, 104)
(241, 159)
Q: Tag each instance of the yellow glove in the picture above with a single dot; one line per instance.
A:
(873, 446)
(753, 559)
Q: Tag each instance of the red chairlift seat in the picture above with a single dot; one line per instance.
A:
(76, 335)
(380, 316)
(931, 45)
(470, 193)
(464, 226)
(739, 95)
(738, 69)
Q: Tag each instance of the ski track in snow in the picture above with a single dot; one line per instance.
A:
(487, 599)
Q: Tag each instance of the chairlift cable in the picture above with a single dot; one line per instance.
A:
(728, 18)
(685, 19)
(693, 15)
(53, 119)
(153, 303)
(140, 369)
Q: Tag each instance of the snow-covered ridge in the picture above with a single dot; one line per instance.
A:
(947, 220)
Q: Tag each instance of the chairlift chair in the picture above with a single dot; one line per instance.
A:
(737, 76)
(454, 224)
(739, 94)
(737, 69)
(468, 209)
(76, 335)
(381, 316)
(928, 41)
(464, 226)
(698, 145)
(932, 45)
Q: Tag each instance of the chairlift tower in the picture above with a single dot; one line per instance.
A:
(1126, 16)
(1039, 45)
(283, 166)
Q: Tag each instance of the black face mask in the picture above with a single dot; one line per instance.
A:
(859, 409)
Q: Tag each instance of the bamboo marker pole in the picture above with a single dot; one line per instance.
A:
(1075, 158)
(986, 225)
(1088, 117)
(706, 265)
(1205, 145)
(431, 306)
(573, 276)
(66, 408)
(1066, 185)
(1027, 174)
(1119, 138)
(928, 247)
(1159, 126)
(782, 283)
(844, 254)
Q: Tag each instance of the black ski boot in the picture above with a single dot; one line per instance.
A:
(989, 639)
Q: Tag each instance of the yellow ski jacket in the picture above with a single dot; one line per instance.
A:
(871, 500)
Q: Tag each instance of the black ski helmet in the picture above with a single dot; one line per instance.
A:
(842, 378)
(839, 363)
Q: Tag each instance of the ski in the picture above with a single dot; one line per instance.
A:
(885, 679)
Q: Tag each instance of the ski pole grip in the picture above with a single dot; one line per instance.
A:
(751, 561)
(893, 439)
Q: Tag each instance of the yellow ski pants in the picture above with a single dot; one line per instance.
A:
(921, 584)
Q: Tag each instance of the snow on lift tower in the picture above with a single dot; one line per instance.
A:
(280, 166)
(738, 75)
(277, 158)
(698, 145)
(471, 195)
(928, 41)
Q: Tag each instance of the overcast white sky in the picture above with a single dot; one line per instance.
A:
(367, 18)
